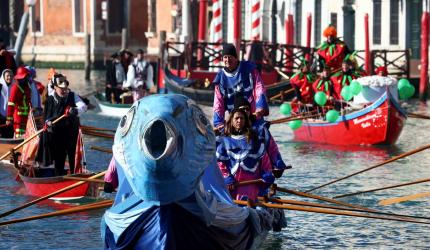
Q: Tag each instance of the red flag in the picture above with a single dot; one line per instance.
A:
(80, 155)
(29, 150)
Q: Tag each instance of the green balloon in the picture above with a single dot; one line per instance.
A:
(295, 124)
(402, 83)
(406, 91)
(285, 108)
(320, 98)
(410, 90)
(346, 93)
(355, 87)
(332, 115)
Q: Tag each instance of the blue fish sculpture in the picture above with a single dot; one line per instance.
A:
(171, 194)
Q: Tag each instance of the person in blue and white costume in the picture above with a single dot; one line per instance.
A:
(237, 78)
(261, 127)
(241, 156)
(171, 195)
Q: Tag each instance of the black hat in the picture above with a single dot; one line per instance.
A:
(240, 101)
(140, 51)
(229, 49)
(125, 51)
(114, 55)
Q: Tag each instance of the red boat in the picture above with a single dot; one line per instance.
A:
(378, 123)
(42, 186)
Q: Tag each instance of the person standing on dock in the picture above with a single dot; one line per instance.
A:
(237, 78)
(140, 75)
(62, 141)
(115, 76)
(6, 81)
(7, 61)
(19, 103)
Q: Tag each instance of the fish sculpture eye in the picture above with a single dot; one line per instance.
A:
(201, 121)
(126, 120)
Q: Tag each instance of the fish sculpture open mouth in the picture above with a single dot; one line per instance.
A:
(159, 139)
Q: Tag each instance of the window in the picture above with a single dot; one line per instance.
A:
(333, 19)
(116, 15)
(298, 22)
(377, 21)
(394, 21)
(16, 16)
(36, 17)
(317, 32)
(153, 16)
(78, 16)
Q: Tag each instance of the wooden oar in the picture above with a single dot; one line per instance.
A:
(250, 182)
(298, 193)
(29, 139)
(83, 208)
(383, 188)
(374, 166)
(390, 201)
(82, 179)
(288, 119)
(283, 92)
(50, 195)
(102, 149)
(98, 134)
(420, 116)
(310, 204)
(329, 211)
(97, 129)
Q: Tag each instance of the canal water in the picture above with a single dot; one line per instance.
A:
(313, 165)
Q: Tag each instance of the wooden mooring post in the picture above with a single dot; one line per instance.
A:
(87, 65)
(424, 56)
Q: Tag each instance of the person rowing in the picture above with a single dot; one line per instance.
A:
(237, 78)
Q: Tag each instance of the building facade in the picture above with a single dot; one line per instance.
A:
(57, 29)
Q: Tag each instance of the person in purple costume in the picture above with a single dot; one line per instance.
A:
(237, 78)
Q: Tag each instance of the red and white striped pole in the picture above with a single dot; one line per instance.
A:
(237, 11)
(217, 28)
(255, 20)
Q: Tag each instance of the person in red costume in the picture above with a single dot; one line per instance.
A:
(19, 103)
(302, 83)
(324, 83)
(345, 76)
(381, 71)
(332, 51)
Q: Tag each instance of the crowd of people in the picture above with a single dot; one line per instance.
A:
(23, 97)
(334, 67)
(125, 73)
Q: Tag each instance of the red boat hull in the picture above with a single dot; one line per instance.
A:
(39, 187)
(379, 123)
